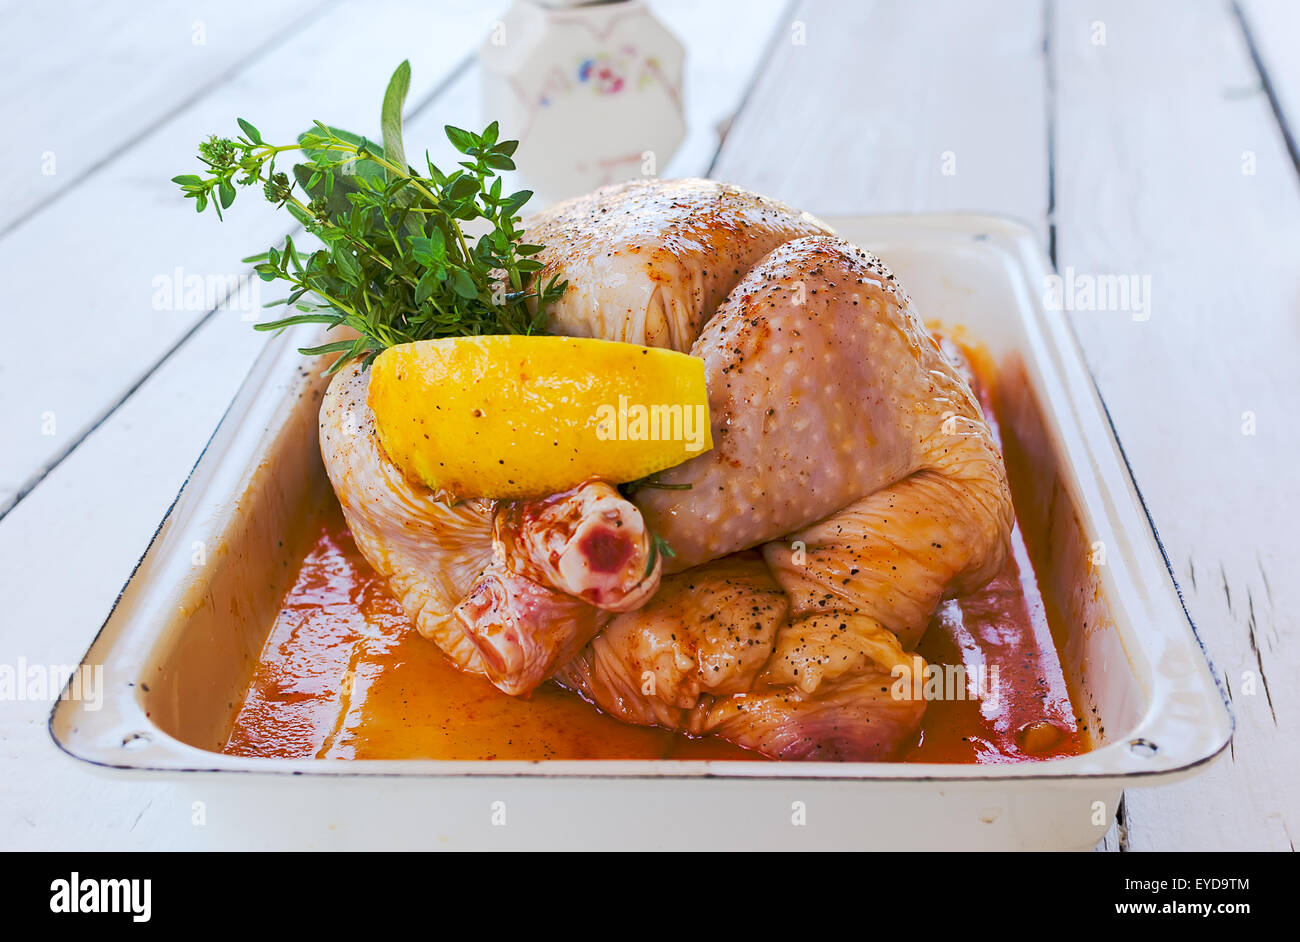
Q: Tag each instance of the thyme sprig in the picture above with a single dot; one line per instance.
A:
(658, 547)
(396, 263)
(628, 488)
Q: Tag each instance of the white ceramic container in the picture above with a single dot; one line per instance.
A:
(593, 92)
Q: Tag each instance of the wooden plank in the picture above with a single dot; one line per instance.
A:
(724, 53)
(1273, 28)
(116, 68)
(1115, 837)
(1170, 167)
(881, 107)
(125, 300)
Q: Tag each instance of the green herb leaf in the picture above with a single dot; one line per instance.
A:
(295, 320)
(463, 284)
(460, 139)
(658, 547)
(337, 346)
(397, 266)
(390, 119)
(253, 134)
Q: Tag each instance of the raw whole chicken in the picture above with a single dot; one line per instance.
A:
(853, 484)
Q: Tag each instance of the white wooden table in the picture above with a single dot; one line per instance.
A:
(1152, 138)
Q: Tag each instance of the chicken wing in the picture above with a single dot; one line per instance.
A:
(429, 550)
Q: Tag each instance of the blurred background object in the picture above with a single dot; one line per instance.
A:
(593, 92)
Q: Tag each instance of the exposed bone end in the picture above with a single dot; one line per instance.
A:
(590, 543)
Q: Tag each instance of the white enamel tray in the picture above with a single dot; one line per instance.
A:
(180, 644)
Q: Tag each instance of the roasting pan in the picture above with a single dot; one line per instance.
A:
(181, 642)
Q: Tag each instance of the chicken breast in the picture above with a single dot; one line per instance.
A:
(648, 261)
(824, 387)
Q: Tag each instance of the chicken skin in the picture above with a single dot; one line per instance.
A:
(854, 454)
(714, 652)
(833, 406)
(428, 550)
(648, 261)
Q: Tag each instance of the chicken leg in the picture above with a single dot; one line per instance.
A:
(507, 590)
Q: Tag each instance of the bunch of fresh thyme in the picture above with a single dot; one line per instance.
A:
(396, 265)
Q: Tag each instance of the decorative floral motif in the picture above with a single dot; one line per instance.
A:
(601, 72)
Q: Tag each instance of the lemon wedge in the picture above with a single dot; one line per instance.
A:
(525, 416)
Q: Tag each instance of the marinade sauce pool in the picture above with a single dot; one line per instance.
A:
(344, 675)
